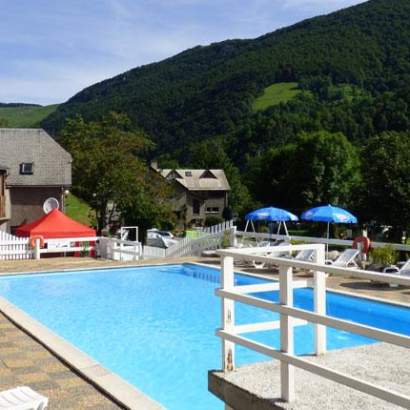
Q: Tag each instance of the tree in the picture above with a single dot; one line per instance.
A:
(386, 172)
(318, 168)
(108, 171)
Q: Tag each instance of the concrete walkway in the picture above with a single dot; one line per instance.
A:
(257, 387)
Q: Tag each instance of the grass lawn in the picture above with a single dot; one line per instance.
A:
(26, 116)
(78, 210)
(275, 94)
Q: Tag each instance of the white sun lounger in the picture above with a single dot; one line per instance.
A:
(404, 270)
(22, 398)
(306, 255)
(346, 259)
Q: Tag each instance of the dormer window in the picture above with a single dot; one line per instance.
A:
(26, 168)
(208, 174)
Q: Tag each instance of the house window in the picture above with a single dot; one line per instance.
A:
(212, 210)
(26, 168)
(196, 206)
(188, 173)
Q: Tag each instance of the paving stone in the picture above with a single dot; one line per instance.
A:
(24, 361)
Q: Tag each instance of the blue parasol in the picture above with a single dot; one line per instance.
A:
(271, 214)
(329, 214)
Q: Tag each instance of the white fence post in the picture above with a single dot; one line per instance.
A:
(37, 249)
(287, 378)
(227, 314)
(320, 301)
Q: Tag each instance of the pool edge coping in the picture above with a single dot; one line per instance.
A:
(342, 292)
(114, 386)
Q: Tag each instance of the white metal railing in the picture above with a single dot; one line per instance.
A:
(223, 226)
(195, 246)
(291, 316)
(312, 239)
(208, 239)
(117, 249)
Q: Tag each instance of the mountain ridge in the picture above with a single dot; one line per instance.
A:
(208, 91)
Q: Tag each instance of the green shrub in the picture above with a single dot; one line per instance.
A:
(296, 242)
(384, 256)
(212, 220)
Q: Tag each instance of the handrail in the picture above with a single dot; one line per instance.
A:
(312, 239)
(291, 316)
(251, 254)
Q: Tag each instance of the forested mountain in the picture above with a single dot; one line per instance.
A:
(14, 105)
(208, 91)
(348, 74)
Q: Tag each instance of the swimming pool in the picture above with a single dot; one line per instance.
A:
(155, 325)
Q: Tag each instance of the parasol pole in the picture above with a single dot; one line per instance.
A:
(328, 236)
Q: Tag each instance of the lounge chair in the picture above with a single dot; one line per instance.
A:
(22, 398)
(346, 259)
(403, 270)
(306, 255)
(261, 265)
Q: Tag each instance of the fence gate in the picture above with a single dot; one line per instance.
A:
(13, 248)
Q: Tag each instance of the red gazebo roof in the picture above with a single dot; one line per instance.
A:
(55, 225)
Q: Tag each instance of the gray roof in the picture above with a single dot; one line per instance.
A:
(51, 163)
(198, 179)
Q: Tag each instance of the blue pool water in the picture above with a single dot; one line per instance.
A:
(155, 325)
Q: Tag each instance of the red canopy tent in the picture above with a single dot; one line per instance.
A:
(55, 225)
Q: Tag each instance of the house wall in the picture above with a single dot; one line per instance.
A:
(27, 203)
(183, 204)
(4, 202)
(207, 199)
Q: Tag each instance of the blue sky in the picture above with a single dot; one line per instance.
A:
(51, 49)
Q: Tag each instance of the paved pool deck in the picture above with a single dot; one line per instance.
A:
(257, 387)
(24, 361)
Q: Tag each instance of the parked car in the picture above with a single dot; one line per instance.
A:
(160, 239)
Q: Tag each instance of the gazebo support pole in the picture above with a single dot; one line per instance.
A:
(286, 229)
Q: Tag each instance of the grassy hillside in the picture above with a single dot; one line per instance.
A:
(25, 116)
(78, 210)
(209, 91)
(275, 94)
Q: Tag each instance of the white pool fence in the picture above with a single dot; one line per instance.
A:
(14, 248)
(290, 316)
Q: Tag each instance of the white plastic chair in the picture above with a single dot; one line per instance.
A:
(346, 259)
(22, 398)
